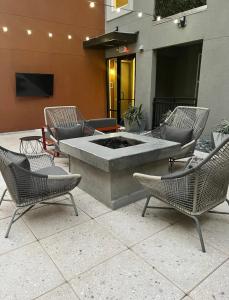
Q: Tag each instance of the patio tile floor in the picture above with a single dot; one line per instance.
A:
(108, 255)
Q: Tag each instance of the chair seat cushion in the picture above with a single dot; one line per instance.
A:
(64, 133)
(178, 135)
(54, 170)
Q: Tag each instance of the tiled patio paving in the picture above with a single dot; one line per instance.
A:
(104, 254)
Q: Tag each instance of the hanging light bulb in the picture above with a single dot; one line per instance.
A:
(4, 28)
(92, 4)
(29, 31)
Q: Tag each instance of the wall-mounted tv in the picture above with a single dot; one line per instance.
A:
(34, 85)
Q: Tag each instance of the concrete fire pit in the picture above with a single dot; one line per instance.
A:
(107, 173)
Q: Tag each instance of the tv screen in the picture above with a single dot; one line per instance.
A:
(34, 85)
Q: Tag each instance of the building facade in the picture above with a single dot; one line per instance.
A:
(175, 63)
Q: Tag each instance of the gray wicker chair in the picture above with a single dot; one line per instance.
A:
(65, 117)
(195, 190)
(34, 179)
(185, 117)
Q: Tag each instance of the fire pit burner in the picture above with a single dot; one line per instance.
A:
(117, 142)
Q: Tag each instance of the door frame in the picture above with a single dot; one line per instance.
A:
(119, 59)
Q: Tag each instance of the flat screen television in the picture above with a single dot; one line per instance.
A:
(34, 85)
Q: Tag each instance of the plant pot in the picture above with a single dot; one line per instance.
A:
(218, 138)
(134, 126)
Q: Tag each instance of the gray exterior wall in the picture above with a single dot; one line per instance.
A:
(210, 25)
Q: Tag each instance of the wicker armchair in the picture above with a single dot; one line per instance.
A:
(34, 179)
(196, 190)
(189, 118)
(64, 117)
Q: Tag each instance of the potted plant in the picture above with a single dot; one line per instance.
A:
(134, 120)
(220, 133)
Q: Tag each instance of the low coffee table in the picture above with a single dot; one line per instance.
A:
(31, 144)
(107, 173)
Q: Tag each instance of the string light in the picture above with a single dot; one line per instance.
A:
(92, 4)
(4, 29)
(29, 31)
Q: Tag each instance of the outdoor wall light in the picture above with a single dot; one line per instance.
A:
(181, 23)
(4, 29)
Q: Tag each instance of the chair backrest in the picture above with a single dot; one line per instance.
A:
(213, 177)
(189, 117)
(62, 116)
(8, 157)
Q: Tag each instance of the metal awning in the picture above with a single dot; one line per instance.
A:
(111, 40)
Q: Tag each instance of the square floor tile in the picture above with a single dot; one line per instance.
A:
(27, 273)
(129, 226)
(62, 292)
(80, 248)
(124, 277)
(6, 209)
(50, 219)
(177, 255)
(215, 287)
(20, 235)
(90, 205)
(215, 229)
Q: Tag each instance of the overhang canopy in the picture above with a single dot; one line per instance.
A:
(111, 40)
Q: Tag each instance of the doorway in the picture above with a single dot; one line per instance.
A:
(121, 86)
(177, 79)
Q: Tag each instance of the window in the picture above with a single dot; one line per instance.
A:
(113, 5)
(120, 3)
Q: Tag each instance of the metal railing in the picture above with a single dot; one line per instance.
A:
(166, 8)
(161, 105)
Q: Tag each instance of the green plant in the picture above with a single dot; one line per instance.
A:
(165, 8)
(134, 114)
(223, 127)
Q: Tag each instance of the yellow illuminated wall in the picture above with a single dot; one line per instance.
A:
(120, 3)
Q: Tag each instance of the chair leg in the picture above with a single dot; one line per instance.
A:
(11, 222)
(199, 232)
(146, 205)
(3, 195)
(73, 204)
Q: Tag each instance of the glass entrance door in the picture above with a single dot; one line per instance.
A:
(121, 86)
